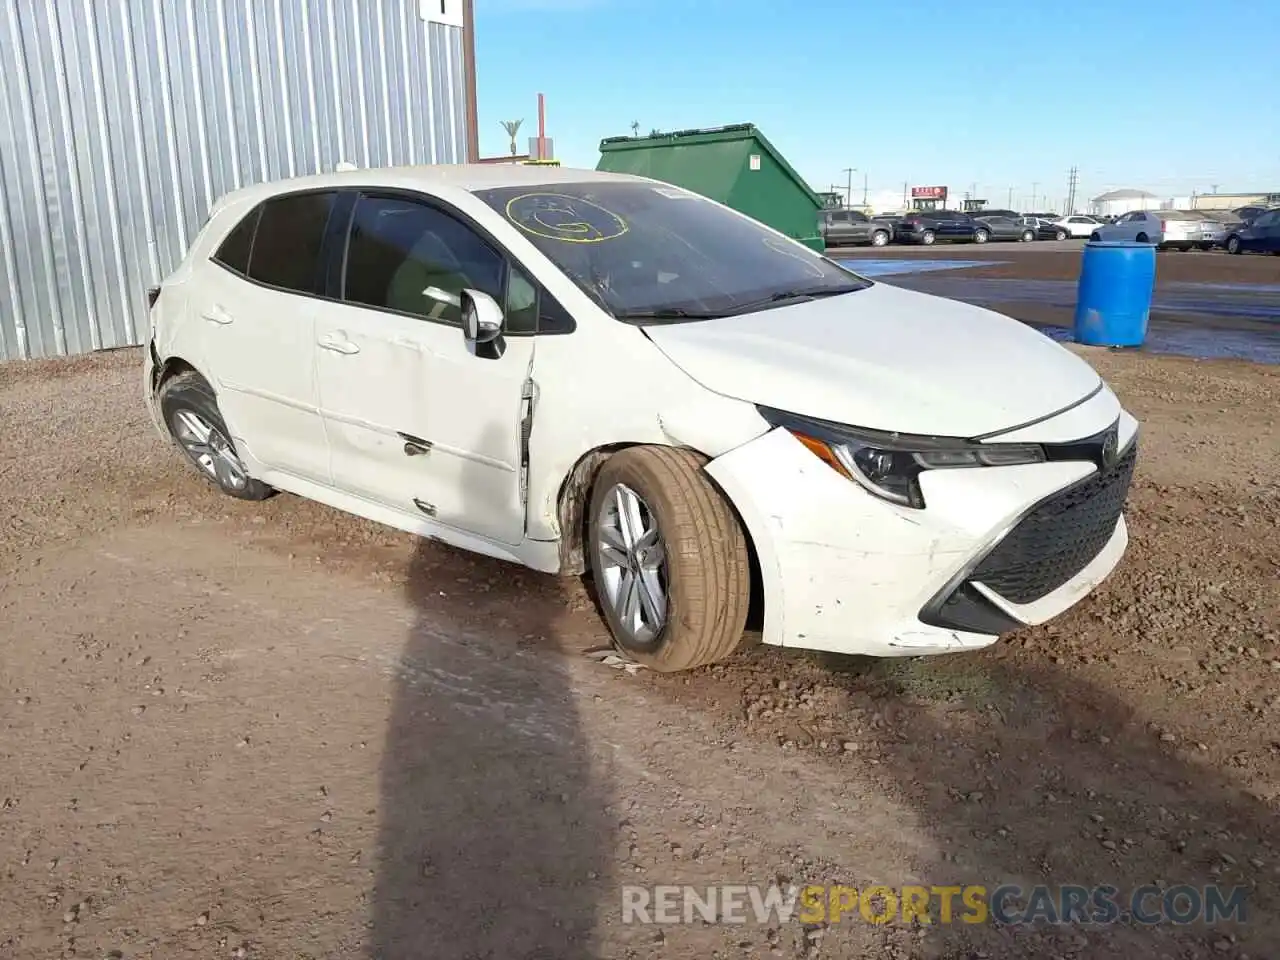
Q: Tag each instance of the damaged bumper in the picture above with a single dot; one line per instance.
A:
(847, 572)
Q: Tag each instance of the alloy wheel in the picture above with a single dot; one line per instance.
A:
(632, 574)
(209, 450)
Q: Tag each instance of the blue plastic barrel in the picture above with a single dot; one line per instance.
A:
(1113, 297)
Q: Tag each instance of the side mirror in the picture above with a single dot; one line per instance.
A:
(481, 317)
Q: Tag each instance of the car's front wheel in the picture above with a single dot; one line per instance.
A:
(191, 414)
(1233, 245)
(879, 238)
(668, 558)
(981, 236)
(1027, 236)
(1060, 235)
(928, 237)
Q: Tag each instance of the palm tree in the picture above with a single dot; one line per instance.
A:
(512, 127)
(635, 128)
(655, 132)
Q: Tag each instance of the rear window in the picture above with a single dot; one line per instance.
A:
(286, 247)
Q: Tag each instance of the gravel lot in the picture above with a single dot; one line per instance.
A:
(271, 730)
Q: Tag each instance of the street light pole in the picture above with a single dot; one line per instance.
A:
(849, 172)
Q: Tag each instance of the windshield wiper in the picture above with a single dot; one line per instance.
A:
(668, 313)
(800, 293)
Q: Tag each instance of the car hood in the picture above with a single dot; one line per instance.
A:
(884, 358)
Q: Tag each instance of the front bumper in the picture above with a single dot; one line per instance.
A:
(148, 389)
(847, 572)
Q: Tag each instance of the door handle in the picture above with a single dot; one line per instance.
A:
(216, 314)
(338, 343)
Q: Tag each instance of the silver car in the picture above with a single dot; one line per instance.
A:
(1167, 229)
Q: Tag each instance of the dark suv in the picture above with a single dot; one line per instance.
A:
(846, 227)
(930, 226)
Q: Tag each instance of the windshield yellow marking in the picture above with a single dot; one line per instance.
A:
(558, 216)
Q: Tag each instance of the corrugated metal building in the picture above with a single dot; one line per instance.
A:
(122, 121)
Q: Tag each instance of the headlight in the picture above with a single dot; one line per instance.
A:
(889, 464)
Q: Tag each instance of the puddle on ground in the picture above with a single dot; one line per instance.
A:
(1201, 344)
(888, 267)
(1252, 302)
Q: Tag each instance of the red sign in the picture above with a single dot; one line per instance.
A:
(929, 193)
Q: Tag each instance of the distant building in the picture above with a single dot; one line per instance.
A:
(1116, 202)
(1229, 201)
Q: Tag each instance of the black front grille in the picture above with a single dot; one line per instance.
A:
(1060, 537)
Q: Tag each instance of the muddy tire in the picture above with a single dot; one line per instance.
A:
(191, 415)
(669, 559)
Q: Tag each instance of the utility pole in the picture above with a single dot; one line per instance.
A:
(1010, 203)
(848, 196)
(864, 188)
(1215, 189)
(1035, 187)
(1072, 181)
(904, 195)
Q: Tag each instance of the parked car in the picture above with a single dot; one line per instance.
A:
(1212, 226)
(1078, 225)
(1167, 229)
(581, 371)
(1006, 228)
(1046, 228)
(1248, 214)
(1260, 235)
(848, 227)
(983, 214)
(929, 226)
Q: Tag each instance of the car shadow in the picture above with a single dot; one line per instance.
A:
(1028, 775)
(492, 820)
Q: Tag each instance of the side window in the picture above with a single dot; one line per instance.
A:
(406, 256)
(858, 217)
(521, 307)
(1267, 220)
(286, 248)
(236, 246)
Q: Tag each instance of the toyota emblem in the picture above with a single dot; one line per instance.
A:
(1110, 448)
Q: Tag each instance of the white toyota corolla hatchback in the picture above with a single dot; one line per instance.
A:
(579, 371)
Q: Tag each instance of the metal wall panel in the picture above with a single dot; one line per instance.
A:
(121, 121)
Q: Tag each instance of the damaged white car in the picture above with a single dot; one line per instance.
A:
(579, 371)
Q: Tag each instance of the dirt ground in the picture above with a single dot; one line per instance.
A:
(275, 731)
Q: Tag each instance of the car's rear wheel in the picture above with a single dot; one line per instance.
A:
(191, 414)
(1142, 238)
(669, 559)
(879, 238)
(1233, 245)
(1095, 237)
(928, 237)
(981, 236)
(1061, 235)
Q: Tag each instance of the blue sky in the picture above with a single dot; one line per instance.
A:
(1164, 96)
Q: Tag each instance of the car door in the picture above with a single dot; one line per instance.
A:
(419, 419)
(859, 227)
(1265, 232)
(257, 301)
(840, 227)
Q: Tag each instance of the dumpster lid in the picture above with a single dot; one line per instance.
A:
(725, 134)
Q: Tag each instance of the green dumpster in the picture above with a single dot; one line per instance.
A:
(734, 165)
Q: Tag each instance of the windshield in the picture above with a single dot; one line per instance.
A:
(652, 252)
